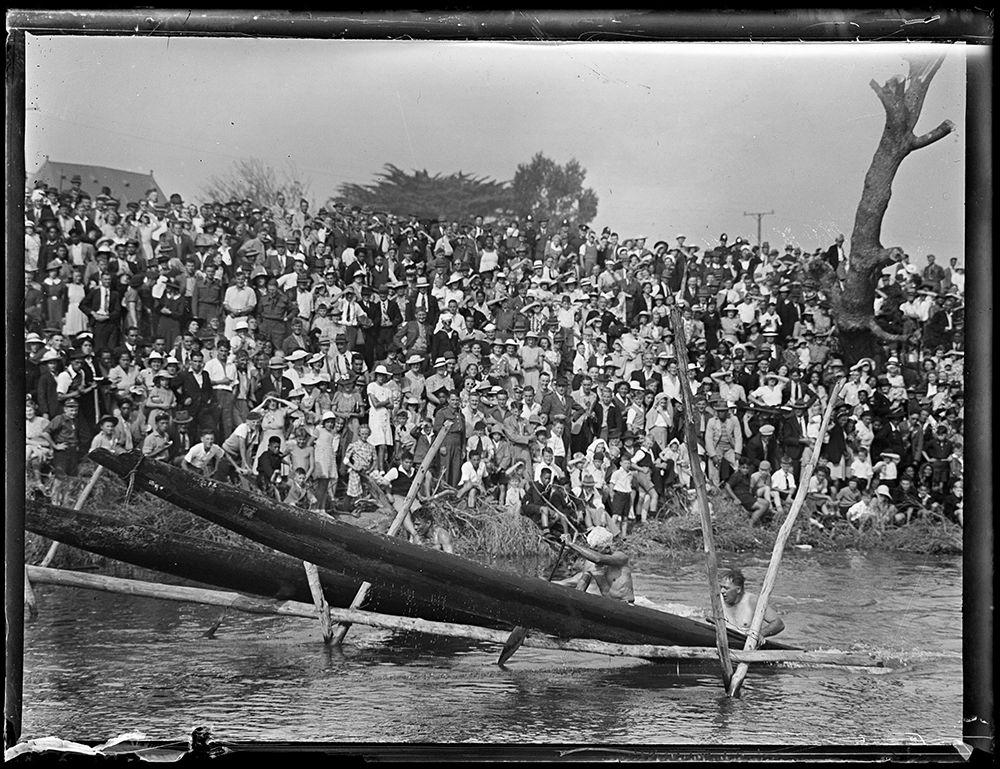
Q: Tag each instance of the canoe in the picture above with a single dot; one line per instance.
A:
(409, 571)
(267, 574)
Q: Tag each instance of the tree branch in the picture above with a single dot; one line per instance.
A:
(921, 71)
(932, 136)
(884, 335)
(891, 95)
(878, 259)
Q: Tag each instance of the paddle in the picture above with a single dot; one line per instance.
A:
(518, 634)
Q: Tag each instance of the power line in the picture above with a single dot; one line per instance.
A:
(759, 216)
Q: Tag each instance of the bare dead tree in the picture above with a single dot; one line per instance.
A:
(852, 304)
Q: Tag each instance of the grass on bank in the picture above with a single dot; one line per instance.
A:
(492, 534)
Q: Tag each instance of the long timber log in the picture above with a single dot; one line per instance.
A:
(411, 571)
(263, 573)
(138, 588)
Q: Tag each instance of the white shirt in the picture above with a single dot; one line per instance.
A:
(217, 372)
(782, 481)
(472, 474)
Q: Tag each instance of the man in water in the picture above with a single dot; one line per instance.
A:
(738, 606)
(607, 567)
(428, 533)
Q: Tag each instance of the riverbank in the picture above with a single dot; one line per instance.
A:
(490, 533)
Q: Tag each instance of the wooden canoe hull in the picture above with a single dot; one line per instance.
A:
(267, 574)
(409, 571)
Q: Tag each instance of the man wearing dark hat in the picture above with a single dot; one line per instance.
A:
(559, 402)
(273, 311)
(794, 437)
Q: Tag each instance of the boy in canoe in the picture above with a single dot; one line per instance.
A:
(738, 606)
(607, 567)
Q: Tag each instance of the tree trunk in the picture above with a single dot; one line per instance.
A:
(853, 303)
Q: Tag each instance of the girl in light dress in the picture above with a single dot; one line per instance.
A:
(379, 414)
(550, 356)
(75, 321)
(326, 457)
(38, 445)
(531, 362)
(359, 458)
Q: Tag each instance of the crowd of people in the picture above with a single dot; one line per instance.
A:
(300, 352)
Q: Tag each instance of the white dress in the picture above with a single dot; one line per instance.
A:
(379, 419)
(75, 320)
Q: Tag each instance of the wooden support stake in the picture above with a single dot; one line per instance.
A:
(29, 595)
(411, 495)
(721, 635)
(98, 472)
(319, 600)
(771, 575)
(251, 605)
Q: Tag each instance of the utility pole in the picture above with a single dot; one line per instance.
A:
(759, 216)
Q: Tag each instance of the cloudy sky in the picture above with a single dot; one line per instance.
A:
(675, 138)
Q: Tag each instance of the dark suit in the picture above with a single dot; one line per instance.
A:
(432, 308)
(407, 337)
(203, 404)
(384, 324)
(182, 245)
(181, 442)
(644, 379)
(756, 452)
(832, 255)
(105, 331)
(279, 265)
(445, 341)
(281, 388)
(791, 438)
(553, 404)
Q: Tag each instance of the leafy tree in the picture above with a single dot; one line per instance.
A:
(459, 196)
(259, 181)
(852, 303)
(544, 188)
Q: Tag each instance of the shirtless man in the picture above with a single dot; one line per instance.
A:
(738, 606)
(607, 567)
(429, 534)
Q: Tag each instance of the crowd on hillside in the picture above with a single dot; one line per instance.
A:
(298, 352)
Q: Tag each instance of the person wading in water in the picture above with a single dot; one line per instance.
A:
(608, 567)
(738, 606)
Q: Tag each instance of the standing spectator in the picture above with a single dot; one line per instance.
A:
(103, 305)
(64, 432)
(197, 395)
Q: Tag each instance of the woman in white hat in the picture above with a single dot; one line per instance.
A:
(531, 355)
(380, 413)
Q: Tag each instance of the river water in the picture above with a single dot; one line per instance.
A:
(97, 665)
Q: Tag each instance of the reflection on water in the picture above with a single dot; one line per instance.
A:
(97, 665)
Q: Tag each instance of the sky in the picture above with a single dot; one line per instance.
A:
(676, 138)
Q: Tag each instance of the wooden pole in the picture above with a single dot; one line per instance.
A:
(319, 601)
(298, 609)
(411, 495)
(721, 635)
(771, 576)
(98, 472)
(29, 595)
